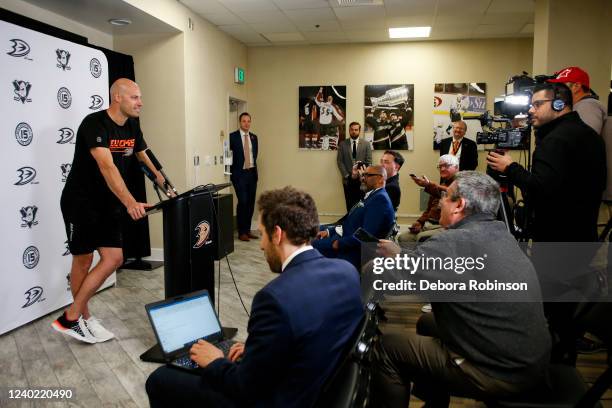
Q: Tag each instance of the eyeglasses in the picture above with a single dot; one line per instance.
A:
(443, 166)
(537, 104)
(371, 174)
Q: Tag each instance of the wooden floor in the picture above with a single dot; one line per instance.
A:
(111, 374)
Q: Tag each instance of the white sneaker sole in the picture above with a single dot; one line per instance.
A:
(57, 327)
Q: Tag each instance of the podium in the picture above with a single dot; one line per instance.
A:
(197, 231)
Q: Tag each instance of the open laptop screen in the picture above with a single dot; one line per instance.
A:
(181, 322)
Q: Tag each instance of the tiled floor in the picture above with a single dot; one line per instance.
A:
(111, 374)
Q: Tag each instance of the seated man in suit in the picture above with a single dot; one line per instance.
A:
(288, 353)
(374, 214)
(460, 146)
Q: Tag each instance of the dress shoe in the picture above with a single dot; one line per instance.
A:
(243, 237)
(252, 236)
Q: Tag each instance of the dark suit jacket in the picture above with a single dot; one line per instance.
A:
(300, 323)
(469, 153)
(345, 155)
(376, 216)
(238, 153)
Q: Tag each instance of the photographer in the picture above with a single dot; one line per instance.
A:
(352, 151)
(569, 160)
(563, 192)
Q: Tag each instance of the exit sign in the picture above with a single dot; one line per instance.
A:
(239, 75)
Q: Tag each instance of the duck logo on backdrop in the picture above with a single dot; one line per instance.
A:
(26, 175)
(95, 68)
(30, 257)
(202, 233)
(66, 135)
(20, 48)
(28, 216)
(96, 102)
(65, 171)
(63, 58)
(24, 134)
(33, 295)
(64, 98)
(22, 91)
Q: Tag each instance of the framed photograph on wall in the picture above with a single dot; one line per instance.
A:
(389, 116)
(454, 102)
(322, 113)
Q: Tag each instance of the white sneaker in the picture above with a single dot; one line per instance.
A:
(98, 331)
(426, 308)
(78, 330)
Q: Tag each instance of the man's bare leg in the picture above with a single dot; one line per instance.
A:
(78, 273)
(110, 260)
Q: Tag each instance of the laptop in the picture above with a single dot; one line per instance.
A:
(181, 321)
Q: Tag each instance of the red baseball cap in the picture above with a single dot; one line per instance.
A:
(572, 74)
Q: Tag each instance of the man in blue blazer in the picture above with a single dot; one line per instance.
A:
(374, 214)
(300, 324)
(244, 148)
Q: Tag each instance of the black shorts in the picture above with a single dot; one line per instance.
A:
(86, 234)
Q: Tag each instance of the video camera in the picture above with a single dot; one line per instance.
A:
(509, 127)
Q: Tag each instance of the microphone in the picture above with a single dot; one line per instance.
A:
(147, 172)
(167, 184)
(153, 159)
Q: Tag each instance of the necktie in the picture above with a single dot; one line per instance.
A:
(247, 152)
(354, 150)
(456, 145)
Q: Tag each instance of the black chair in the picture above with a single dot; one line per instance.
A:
(565, 387)
(349, 384)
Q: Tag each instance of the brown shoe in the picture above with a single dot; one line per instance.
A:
(252, 236)
(243, 237)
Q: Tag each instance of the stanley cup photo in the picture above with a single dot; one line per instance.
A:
(389, 116)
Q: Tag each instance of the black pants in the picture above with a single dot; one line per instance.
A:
(245, 185)
(352, 192)
(170, 387)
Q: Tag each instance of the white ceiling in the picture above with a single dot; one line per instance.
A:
(96, 13)
(281, 22)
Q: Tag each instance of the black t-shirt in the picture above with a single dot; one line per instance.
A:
(85, 187)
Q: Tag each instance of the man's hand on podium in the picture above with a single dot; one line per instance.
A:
(138, 210)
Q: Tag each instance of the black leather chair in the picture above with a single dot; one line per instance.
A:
(566, 387)
(349, 384)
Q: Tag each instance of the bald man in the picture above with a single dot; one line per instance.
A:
(93, 199)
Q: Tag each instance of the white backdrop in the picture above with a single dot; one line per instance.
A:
(48, 86)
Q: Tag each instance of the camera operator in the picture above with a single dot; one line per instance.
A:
(353, 153)
(563, 191)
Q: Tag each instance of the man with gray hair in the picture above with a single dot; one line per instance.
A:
(428, 223)
(482, 344)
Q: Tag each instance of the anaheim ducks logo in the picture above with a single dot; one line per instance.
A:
(20, 48)
(96, 102)
(202, 233)
(66, 135)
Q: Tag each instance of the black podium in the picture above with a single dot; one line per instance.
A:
(197, 231)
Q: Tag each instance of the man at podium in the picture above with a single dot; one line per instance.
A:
(92, 201)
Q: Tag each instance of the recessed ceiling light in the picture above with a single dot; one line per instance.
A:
(120, 21)
(409, 32)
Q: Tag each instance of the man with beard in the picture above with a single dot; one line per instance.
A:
(374, 214)
(300, 323)
(397, 133)
(351, 151)
(569, 160)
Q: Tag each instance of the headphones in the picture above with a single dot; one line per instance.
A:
(557, 103)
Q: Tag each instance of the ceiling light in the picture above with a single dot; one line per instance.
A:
(120, 21)
(409, 32)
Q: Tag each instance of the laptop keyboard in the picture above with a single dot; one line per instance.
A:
(187, 362)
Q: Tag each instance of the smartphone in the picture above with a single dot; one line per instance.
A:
(364, 236)
(412, 175)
